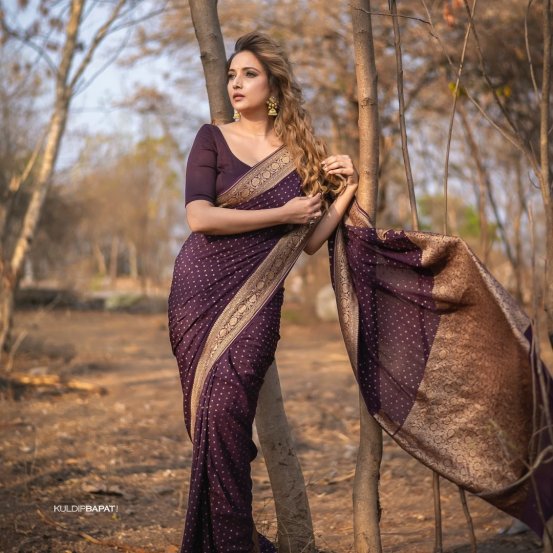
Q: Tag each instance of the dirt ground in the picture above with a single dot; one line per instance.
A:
(126, 446)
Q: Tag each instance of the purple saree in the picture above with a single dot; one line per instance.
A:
(441, 353)
(443, 357)
(224, 316)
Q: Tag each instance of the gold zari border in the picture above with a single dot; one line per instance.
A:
(243, 307)
(258, 179)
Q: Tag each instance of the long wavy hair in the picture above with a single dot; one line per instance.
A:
(292, 125)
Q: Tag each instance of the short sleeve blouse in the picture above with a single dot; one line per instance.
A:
(211, 167)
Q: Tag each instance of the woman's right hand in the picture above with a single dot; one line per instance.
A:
(302, 209)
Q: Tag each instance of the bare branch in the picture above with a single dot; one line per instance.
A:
(370, 12)
(146, 17)
(528, 54)
(12, 33)
(17, 180)
(453, 108)
(100, 35)
(85, 84)
(403, 130)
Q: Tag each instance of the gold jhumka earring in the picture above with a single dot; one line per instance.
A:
(272, 104)
(236, 115)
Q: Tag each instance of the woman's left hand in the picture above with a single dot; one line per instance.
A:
(341, 164)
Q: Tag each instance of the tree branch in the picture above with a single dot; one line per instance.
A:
(100, 35)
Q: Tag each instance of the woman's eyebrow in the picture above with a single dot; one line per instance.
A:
(246, 68)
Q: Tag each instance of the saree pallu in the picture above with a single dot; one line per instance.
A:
(445, 362)
(224, 315)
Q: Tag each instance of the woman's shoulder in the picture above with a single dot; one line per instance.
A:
(205, 130)
(211, 132)
(205, 137)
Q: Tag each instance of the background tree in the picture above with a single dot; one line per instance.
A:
(44, 154)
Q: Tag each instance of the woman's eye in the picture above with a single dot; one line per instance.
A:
(250, 74)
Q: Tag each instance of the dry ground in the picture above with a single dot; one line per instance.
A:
(128, 447)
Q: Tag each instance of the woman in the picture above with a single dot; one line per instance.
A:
(259, 191)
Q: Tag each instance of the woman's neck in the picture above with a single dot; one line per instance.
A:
(252, 127)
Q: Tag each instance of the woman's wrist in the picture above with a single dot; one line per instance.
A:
(282, 215)
(350, 187)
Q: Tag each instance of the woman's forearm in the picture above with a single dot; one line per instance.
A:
(325, 227)
(208, 219)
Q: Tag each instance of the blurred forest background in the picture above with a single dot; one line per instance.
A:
(113, 217)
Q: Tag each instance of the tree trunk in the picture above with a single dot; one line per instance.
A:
(113, 258)
(294, 518)
(287, 482)
(12, 269)
(483, 185)
(100, 261)
(133, 260)
(544, 163)
(517, 228)
(212, 53)
(547, 200)
(367, 78)
(366, 506)
(402, 126)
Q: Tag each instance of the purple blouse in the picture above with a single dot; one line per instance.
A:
(211, 166)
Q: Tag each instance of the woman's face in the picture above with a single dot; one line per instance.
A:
(247, 77)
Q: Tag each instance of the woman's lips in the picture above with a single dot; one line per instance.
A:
(238, 97)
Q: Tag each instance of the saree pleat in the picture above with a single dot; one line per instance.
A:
(224, 317)
(442, 355)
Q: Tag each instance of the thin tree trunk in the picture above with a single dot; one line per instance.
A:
(483, 184)
(438, 537)
(11, 269)
(212, 53)
(133, 260)
(113, 258)
(517, 229)
(402, 126)
(100, 260)
(284, 470)
(293, 517)
(366, 507)
(547, 193)
(544, 163)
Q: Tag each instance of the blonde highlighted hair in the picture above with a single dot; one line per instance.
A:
(293, 123)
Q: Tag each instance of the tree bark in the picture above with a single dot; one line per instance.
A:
(367, 78)
(544, 163)
(133, 260)
(287, 482)
(113, 258)
(366, 508)
(548, 204)
(293, 514)
(100, 261)
(212, 53)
